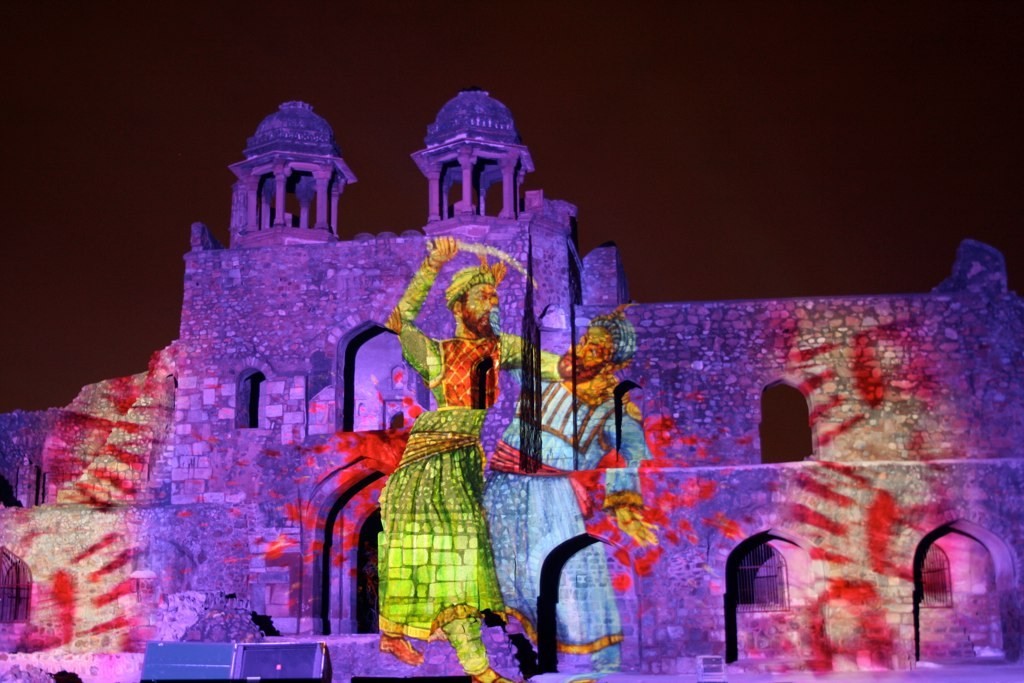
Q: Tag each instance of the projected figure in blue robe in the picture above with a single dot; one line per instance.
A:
(534, 508)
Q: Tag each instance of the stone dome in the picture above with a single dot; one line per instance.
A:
(477, 115)
(293, 128)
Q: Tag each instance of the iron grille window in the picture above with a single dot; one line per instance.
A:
(15, 587)
(936, 587)
(761, 581)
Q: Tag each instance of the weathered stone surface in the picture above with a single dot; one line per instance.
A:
(250, 456)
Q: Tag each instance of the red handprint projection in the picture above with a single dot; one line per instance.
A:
(322, 515)
(63, 590)
(95, 595)
(102, 446)
(876, 374)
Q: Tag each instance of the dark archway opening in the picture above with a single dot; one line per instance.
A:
(755, 580)
(8, 496)
(621, 390)
(483, 384)
(547, 600)
(247, 403)
(328, 547)
(785, 425)
(367, 579)
(348, 410)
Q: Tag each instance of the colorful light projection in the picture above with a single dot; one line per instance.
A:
(539, 498)
(437, 572)
(90, 588)
(822, 564)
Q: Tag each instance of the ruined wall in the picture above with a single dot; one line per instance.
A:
(289, 312)
(857, 527)
(22, 436)
(922, 377)
(242, 472)
(106, 446)
(909, 398)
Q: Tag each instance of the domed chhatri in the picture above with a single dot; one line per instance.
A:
(473, 143)
(294, 127)
(290, 181)
(475, 114)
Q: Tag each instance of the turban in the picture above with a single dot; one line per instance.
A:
(622, 332)
(468, 278)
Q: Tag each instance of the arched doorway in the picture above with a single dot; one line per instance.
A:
(367, 579)
(335, 609)
(576, 588)
(957, 596)
(768, 581)
(379, 389)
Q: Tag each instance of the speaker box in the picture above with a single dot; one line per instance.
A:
(293, 662)
(167, 662)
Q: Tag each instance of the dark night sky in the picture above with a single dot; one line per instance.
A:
(732, 150)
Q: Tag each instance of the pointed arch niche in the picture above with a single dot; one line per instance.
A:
(962, 575)
(250, 400)
(484, 383)
(379, 390)
(343, 580)
(573, 576)
(769, 599)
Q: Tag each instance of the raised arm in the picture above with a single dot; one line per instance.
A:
(512, 357)
(440, 251)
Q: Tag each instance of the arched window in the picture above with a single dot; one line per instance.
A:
(621, 390)
(376, 381)
(15, 587)
(247, 403)
(761, 581)
(40, 485)
(785, 424)
(962, 575)
(757, 582)
(936, 586)
(483, 384)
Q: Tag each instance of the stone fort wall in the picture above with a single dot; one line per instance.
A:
(225, 478)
